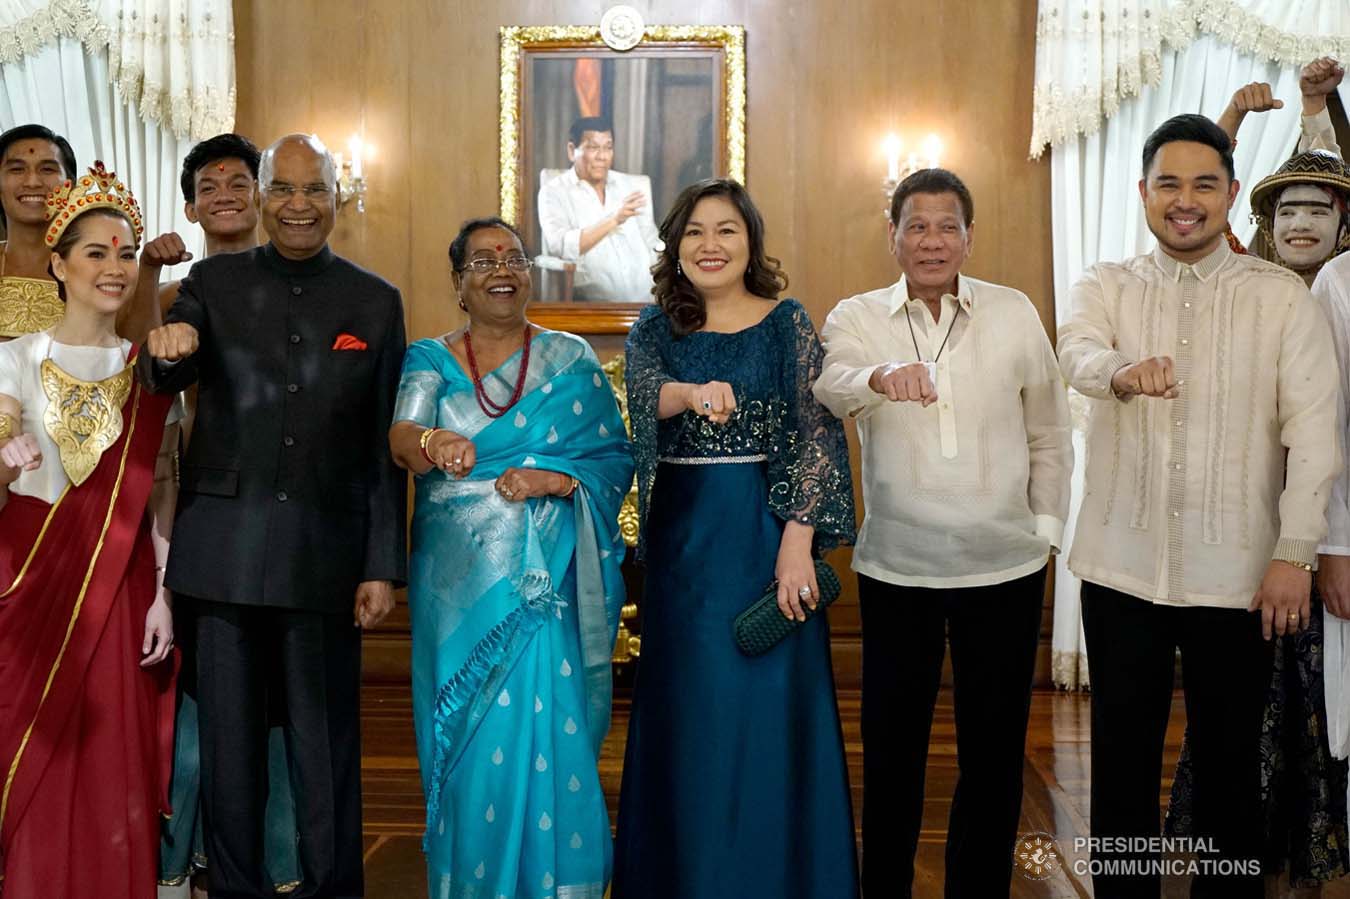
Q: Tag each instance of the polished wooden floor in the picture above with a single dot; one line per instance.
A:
(1056, 797)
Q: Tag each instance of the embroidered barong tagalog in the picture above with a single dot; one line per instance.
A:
(83, 418)
(28, 305)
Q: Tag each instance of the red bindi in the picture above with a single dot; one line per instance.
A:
(499, 248)
(114, 240)
(220, 166)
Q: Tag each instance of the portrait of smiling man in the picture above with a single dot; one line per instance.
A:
(966, 457)
(600, 218)
(1207, 369)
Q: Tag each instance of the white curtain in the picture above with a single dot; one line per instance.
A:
(1097, 215)
(1093, 54)
(134, 83)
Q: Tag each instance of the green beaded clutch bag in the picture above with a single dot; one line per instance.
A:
(761, 626)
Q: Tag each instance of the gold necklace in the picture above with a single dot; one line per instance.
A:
(83, 418)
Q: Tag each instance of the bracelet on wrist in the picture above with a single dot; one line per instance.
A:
(422, 444)
(571, 488)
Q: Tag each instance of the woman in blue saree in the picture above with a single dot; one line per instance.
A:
(734, 781)
(522, 463)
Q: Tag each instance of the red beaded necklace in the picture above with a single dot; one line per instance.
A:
(490, 408)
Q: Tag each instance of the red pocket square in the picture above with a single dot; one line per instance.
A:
(347, 341)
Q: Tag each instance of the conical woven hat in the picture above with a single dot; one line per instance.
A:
(1316, 167)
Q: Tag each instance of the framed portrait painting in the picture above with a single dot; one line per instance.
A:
(595, 145)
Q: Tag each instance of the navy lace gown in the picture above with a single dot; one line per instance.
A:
(734, 781)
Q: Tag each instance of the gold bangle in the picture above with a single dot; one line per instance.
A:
(423, 441)
(572, 489)
(6, 426)
(1302, 566)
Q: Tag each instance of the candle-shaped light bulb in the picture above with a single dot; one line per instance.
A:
(932, 148)
(356, 146)
(891, 146)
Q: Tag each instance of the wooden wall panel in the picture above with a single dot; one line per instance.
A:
(825, 84)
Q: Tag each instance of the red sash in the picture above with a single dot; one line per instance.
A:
(63, 575)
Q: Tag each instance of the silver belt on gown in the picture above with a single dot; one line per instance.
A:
(713, 460)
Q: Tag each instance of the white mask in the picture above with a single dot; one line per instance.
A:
(1306, 225)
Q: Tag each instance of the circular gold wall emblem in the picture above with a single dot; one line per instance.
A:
(621, 28)
(1036, 856)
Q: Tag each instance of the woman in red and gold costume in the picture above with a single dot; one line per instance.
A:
(86, 633)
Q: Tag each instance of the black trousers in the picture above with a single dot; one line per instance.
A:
(307, 665)
(1131, 647)
(993, 633)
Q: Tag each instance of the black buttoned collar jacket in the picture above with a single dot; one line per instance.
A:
(288, 495)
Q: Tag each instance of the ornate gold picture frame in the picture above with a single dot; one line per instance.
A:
(677, 103)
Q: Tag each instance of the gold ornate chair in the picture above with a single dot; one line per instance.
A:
(628, 645)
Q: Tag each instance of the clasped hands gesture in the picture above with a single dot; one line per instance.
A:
(456, 455)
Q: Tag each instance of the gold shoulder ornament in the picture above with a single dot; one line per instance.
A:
(28, 305)
(83, 418)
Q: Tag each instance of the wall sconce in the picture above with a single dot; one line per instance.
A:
(897, 172)
(352, 172)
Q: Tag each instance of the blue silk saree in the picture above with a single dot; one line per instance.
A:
(514, 611)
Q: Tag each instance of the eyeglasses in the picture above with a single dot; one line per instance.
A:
(485, 266)
(286, 191)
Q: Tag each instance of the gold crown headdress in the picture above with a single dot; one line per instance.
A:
(100, 188)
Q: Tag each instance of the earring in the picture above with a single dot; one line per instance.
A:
(462, 306)
(679, 268)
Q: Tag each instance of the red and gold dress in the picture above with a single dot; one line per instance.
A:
(85, 732)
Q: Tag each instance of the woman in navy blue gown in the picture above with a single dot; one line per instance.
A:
(734, 781)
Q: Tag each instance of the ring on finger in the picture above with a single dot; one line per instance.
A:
(707, 405)
(803, 591)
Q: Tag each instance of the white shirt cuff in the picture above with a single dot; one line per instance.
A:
(571, 245)
(862, 396)
(1318, 123)
(1052, 529)
(1332, 549)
